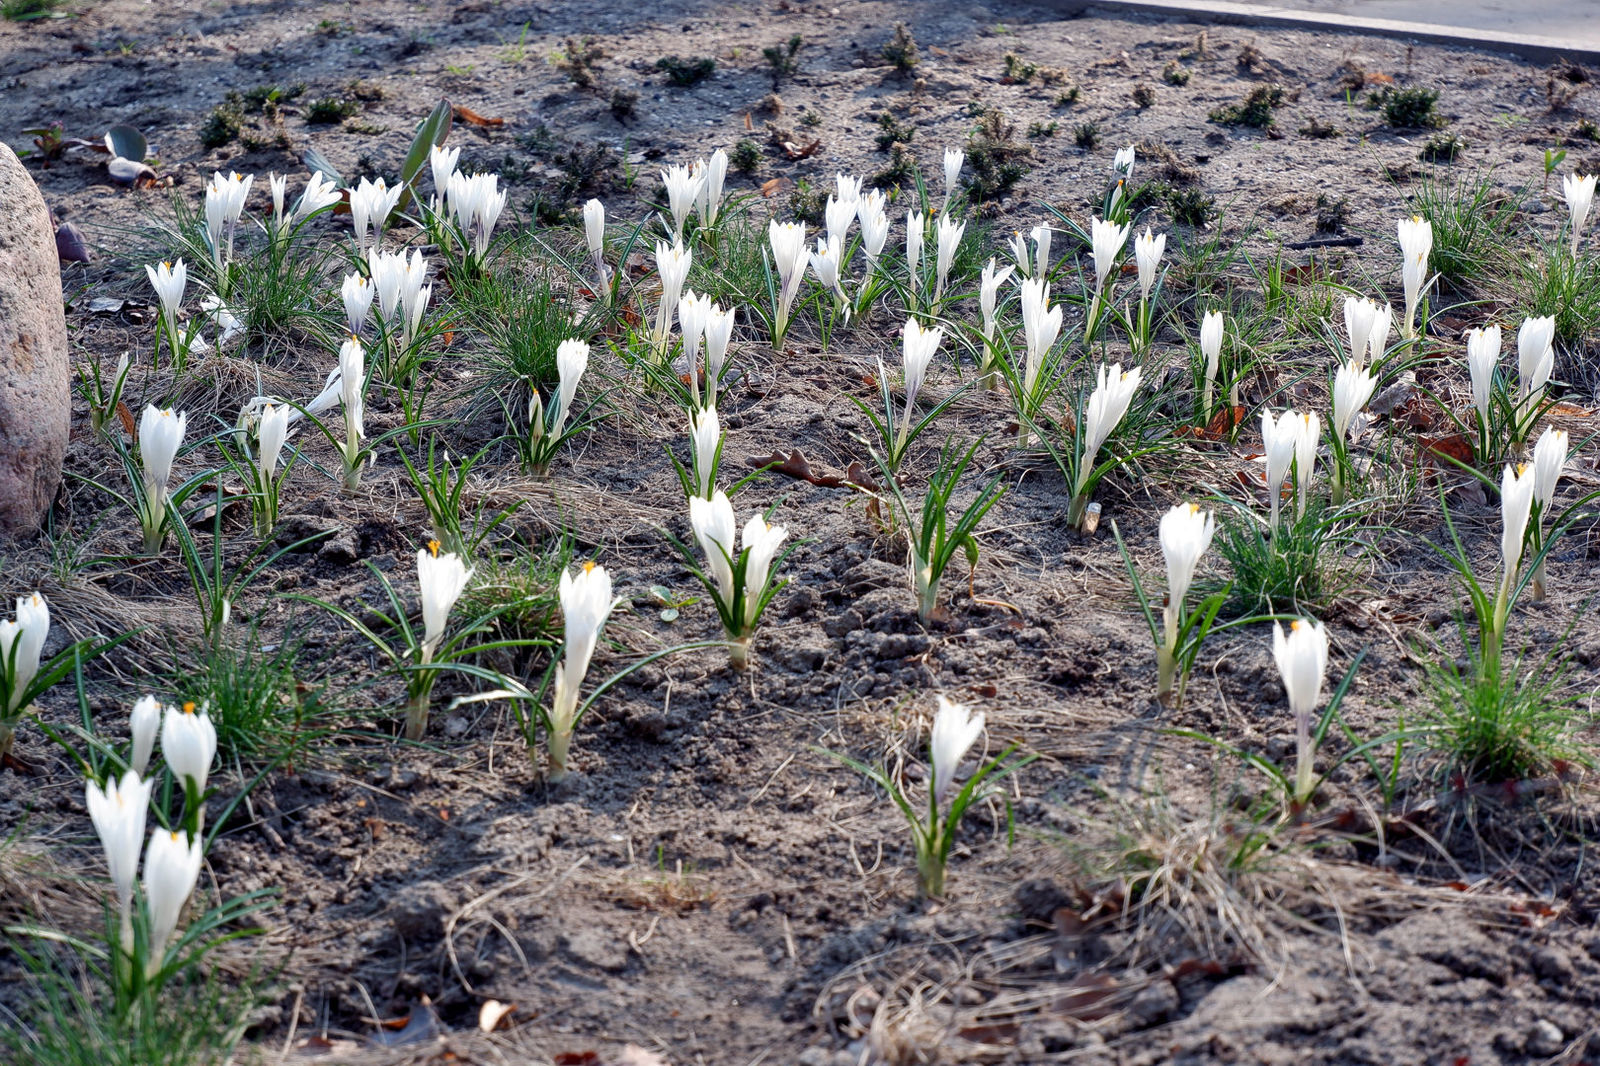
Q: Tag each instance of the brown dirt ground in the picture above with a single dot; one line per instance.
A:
(707, 885)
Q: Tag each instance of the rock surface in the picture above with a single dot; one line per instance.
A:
(35, 380)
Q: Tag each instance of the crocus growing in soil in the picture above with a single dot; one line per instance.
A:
(442, 164)
(225, 197)
(683, 190)
(1536, 358)
(788, 241)
(949, 239)
(357, 293)
(705, 441)
(1107, 239)
(1352, 388)
(21, 645)
(719, 331)
(1279, 438)
(414, 296)
(708, 201)
(352, 393)
(271, 432)
(586, 604)
(954, 157)
(477, 202)
(874, 217)
(547, 421)
(672, 267)
(837, 216)
(1359, 314)
(160, 437)
(1549, 458)
(370, 204)
(918, 346)
(442, 578)
(1416, 244)
(1302, 657)
(189, 743)
(1517, 488)
(319, 195)
(988, 297)
(826, 262)
(594, 232)
(914, 236)
(1578, 191)
(1147, 249)
(1108, 403)
(1307, 434)
(171, 868)
(118, 811)
(1041, 325)
(741, 583)
(1211, 330)
(143, 724)
(1483, 354)
(169, 281)
(1186, 533)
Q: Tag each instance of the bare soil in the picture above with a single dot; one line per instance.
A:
(708, 885)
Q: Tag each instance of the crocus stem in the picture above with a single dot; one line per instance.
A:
(558, 741)
(417, 714)
(1536, 586)
(1303, 768)
(930, 865)
(1075, 510)
(739, 653)
(1166, 657)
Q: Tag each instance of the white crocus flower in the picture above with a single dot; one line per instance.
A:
(160, 437)
(1358, 317)
(1536, 358)
(1107, 239)
(1483, 354)
(1122, 163)
(672, 267)
(762, 541)
(169, 281)
(1041, 250)
(918, 346)
(709, 201)
(21, 645)
(118, 812)
(143, 724)
(1185, 534)
(1302, 657)
(789, 257)
(949, 233)
(1516, 503)
(1020, 253)
(442, 164)
(1578, 191)
(171, 868)
(477, 202)
(955, 730)
(692, 311)
(1352, 388)
(586, 605)
(1147, 251)
(352, 385)
(225, 199)
(874, 217)
(849, 188)
(1309, 433)
(1549, 458)
(837, 216)
(1113, 392)
(705, 437)
(1211, 334)
(1041, 325)
(683, 190)
(594, 232)
(914, 236)
(278, 188)
(572, 359)
(370, 205)
(1378, 339)
(357, 293)
(442, 578)
(825, 263)
(388, 283)
(719, 331)
(713, 525)
(414, 295)
(189, 744)
(1279, 437)
(953, 158)
(1416, 244)
(320, 193)
(273, 431)
(988, 295)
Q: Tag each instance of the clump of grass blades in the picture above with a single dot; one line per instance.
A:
(1554, 282)
(1472, 222)
(1304, 566)
(525, 319)
(253, 694)
(516, 590)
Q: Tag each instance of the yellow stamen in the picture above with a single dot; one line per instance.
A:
(588, 566)
(433, 548)
(1294, 627)
(188, 707)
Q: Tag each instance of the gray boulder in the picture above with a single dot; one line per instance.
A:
(35, 379)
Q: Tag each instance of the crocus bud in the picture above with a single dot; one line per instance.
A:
(955, 730)
(118, 812)
(160, 437)
(171, 868)
(442, 578)
(143, 724)
(189, 743)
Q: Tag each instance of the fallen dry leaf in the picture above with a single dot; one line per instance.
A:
(471, 117)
